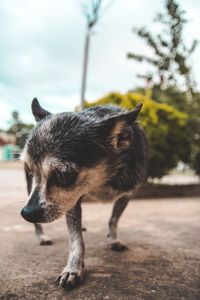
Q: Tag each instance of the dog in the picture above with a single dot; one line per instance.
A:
(101, 152)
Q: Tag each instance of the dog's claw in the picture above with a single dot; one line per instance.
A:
(45, 241)
(118, 246)
(57, 281)
(69, 280)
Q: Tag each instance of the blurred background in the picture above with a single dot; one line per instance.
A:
(73, 54)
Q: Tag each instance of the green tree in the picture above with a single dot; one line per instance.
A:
(171, 55)
(196, 162)
(171, 62)
(19, 129)
(164, 125)
(180, 100)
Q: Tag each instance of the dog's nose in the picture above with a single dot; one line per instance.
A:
(32, 214)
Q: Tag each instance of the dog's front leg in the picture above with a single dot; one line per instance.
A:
(42, 238)
(118, 209)
(73, 271)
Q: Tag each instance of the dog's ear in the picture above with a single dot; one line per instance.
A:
(130, 116)
(119, 128)
(38, 112)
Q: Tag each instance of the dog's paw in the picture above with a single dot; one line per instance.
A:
(117, 246)
(44, 240)
(69, 279)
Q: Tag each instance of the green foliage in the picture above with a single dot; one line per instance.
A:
(196, 162)
(171, 56)
(19, 129)
(190, 104)
(164, 125)
(170, 59)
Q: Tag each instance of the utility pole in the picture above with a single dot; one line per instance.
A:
(85, 67)
(91, 11)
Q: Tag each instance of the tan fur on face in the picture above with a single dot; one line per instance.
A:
(50, 163)
(88, 180)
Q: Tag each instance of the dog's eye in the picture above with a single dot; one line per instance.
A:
(62, 179)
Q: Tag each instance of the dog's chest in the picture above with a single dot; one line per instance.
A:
(106, 194)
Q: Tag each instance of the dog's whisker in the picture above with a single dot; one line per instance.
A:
(64, 212)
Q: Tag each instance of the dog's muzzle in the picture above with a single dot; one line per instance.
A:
(33, 214)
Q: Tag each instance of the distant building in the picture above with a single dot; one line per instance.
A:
(7, 138)
(8, 149)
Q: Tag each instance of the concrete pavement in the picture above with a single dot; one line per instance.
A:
(163, 260)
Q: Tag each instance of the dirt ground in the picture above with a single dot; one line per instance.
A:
(163, 260)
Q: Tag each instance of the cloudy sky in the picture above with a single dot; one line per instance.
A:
(41, 51)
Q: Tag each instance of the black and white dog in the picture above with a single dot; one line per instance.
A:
(100, 151)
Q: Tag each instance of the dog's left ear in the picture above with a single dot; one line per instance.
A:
(119, 128)
(38, 112)
(130, 116)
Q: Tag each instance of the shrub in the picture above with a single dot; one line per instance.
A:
(165, 127)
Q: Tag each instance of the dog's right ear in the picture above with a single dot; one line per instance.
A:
(38, 112)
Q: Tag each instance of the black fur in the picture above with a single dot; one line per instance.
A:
(85, 139)
(103, 138)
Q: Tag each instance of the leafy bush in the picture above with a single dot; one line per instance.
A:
(164, 125)
(196, 163)
(19, 129)
(188, 103)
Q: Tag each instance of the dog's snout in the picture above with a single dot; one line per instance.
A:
(34, 210)
(33, 214)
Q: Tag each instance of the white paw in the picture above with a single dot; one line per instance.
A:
(44, 240)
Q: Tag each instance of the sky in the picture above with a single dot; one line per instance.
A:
(41, 51)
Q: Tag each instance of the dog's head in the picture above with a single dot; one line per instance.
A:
(67, 155)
